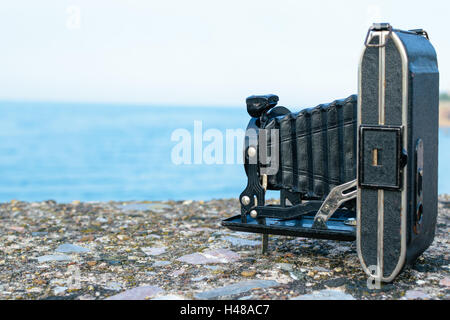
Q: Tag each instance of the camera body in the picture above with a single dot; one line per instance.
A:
(363, 168)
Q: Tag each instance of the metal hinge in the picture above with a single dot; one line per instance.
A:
(378, 27)
(337, 196)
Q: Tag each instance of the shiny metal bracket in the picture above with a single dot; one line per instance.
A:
(337, 196)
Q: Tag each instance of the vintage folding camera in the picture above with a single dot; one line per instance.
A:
(362, 168)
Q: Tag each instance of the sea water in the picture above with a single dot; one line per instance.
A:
(95, 152)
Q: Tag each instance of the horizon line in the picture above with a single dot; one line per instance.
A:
(63, 103)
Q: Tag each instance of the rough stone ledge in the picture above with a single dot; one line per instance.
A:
(178, 250)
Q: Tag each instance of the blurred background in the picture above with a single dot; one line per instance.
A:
(91, 91)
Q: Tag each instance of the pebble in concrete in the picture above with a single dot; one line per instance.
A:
(210, 256)
(58, 290)
(153, 251)
(415, 294)
(445, 282)
(236, 288)
(114, 286)
(169, 297)
(155, 207)
(239, 242)
(161, 263)
(139, 293)
(53, 257)
(71, 248)
(326, 295)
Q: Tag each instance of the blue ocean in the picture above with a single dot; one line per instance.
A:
(94, 152)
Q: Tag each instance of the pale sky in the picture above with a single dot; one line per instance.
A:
(208, 53)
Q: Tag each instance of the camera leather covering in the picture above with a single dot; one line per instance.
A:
(399, 88)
